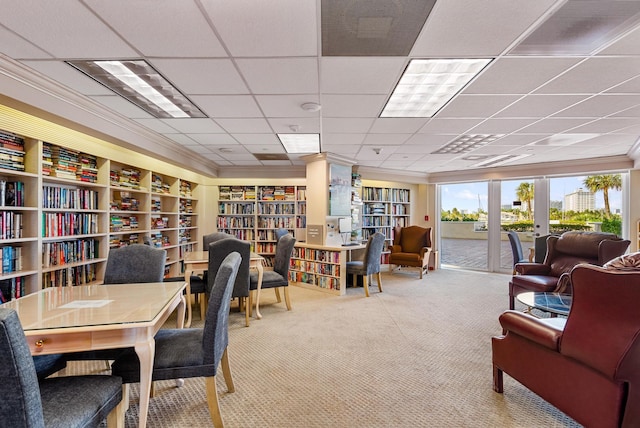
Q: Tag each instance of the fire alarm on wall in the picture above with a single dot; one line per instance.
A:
(426, 218)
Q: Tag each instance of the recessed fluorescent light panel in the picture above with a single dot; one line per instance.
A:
(499, 160)
(466, 143)
(300, 143)
(141, 84)
(428, 84)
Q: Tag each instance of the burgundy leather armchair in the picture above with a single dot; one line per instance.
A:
(563, 253)
(590, 367)
(411, 247)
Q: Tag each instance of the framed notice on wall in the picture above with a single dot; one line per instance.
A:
(339, 190)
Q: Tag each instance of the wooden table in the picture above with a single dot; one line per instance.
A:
(81, 318)
(196, 262)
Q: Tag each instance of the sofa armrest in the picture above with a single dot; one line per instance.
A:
(395, 249)
(532, 269)
(532, 328)
(423, 251)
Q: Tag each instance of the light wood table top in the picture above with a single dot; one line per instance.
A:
(90, 317)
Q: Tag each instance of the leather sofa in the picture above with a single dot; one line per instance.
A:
(587, 365)
(563, 253)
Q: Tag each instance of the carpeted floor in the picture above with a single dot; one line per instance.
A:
(416, 355)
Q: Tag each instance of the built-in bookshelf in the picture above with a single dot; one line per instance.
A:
(61, 210)
(320, 268)
(384, 208)
(253, 213)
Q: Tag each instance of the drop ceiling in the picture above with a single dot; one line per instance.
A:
(249, 65)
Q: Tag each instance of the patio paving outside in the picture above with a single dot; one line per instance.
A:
(472, 253)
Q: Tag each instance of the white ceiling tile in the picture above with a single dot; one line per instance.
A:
(270, 148)
(218, 106)
(64, 29)
(476, 105)
(306, 125)
(601, 105)
(157, 125)
(500, 126)
(176, 29)
(629, 44)
(386, 139)
(466, 35)
(287, 105)
(194, 126)
(339, 139)
(395, 125)
(201, 76)
(339, 148)
(535, 106)
(122, 106)
(352, 105)
(554, 125)
(416, 149)
(520, 139)
(606, 125)
(347, 125)
(213, 139)
(199, 149)
(247, 125)
(517, 75)
(360, 75)
(449, 126)
(631, 86)
(270, 76)
(19, 48)
(594, 75)
(257, 139)
(274, 28)
(431, 140)
(181, 139)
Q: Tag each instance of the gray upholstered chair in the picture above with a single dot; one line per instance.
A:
(280, 232)
(194, 352)
(516, 249)
(136, 263)
(198, 283)
(218, 250)
(65, 401)
(278, 276)
(370, 264)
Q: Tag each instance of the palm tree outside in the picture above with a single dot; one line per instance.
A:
(597, 183)
(524, 193)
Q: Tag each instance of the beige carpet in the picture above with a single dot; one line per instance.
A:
(416, 355)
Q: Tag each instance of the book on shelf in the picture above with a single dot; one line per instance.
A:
(11, 193)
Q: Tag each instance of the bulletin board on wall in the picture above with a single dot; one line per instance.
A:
(339, 190)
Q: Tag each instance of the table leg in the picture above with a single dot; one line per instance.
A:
(146, 351)
(187, 278)
(259, 288)
(180, 312)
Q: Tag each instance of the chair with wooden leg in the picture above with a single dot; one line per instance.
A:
(194, 352)
(370, 264)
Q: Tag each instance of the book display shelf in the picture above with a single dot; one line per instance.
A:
(253, 213)
(384, 208)
(61, 211)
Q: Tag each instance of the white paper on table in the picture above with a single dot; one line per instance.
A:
(78, 304)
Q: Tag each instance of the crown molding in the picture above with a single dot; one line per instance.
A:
(372, 173)
(252, 172)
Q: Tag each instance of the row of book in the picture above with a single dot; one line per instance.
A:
(11, 193)
(11, 257)
(11, 224)
(280, 208)
(70, 164)
(159, 240)
(235, 222)
(123, 223)
(158, 185)
(126, 177)
(317, 255)
(123, 201)
(71, 276)
(277, 193)
(68, 224)
(267, 235)
(186, 207)
(185, 189)
(235, 208)
(11, 151)
(237, 193)
(160, 222)
(64, 252)
(328, 282)
(65, 198)
(116, 241)
(274, 222)
(11, 288)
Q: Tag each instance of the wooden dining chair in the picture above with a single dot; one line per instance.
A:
(278, 276)
(194, 352)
